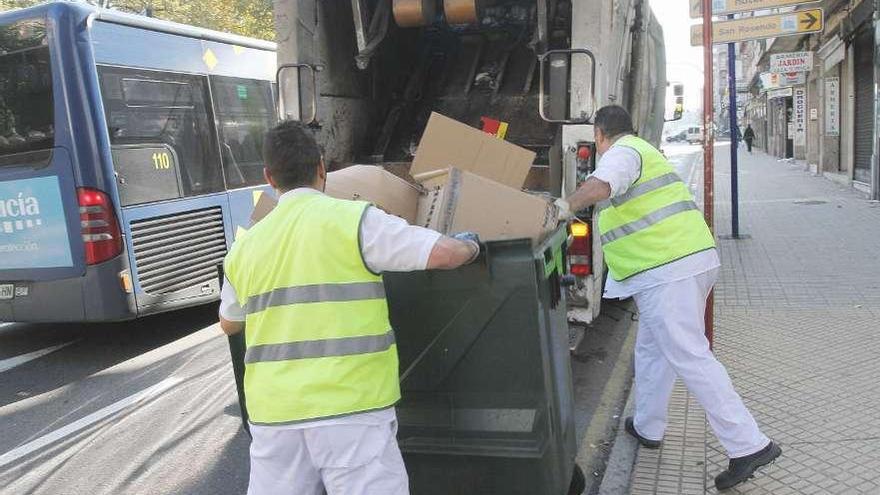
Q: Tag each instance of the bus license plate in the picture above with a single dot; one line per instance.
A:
(6, 291)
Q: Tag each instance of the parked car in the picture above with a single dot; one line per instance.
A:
(694, 135)
(677, 138)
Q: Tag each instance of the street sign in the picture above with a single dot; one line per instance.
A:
(791, 62)
(721, 7)
(765, 26)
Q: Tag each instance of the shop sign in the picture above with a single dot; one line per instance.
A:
(770, 80)
(787, 63)
(832, 106)
(800, 116)
(779, 93)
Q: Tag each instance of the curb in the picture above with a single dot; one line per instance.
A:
(621, 463)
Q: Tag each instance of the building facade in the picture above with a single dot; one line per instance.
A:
(826, 117)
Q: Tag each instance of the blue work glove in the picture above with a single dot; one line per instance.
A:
(471, 238)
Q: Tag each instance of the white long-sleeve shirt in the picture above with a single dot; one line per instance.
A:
(620, 167)
(388, 244)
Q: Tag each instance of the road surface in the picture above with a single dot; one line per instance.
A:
(149, 407)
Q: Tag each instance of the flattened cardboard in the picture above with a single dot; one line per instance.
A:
(459, 201)
(449, 143)
(380, 187)
(264, 205)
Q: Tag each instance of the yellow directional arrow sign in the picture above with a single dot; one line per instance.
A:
(721, 7)
(766, 26)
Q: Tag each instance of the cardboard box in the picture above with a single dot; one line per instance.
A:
(449, 143)
(460, 201)
(380, 187)
(265, 204)
(363, 183)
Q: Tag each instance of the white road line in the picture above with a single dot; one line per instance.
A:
(47, 439)
(693, 172)
(9, 363)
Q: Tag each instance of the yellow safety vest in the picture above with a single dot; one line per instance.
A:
(319, 342)
(655, 222)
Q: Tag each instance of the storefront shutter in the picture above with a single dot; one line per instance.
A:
(864, 104)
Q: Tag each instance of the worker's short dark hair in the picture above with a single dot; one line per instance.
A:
(614, 121)
(292, 155)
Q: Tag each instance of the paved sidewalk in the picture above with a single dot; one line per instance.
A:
(798, 327)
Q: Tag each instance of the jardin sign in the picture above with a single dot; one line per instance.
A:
(788, 63)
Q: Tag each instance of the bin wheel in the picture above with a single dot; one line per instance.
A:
(578, 482)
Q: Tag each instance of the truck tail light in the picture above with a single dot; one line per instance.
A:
(99, 226)
(580, 252)
(584, 152)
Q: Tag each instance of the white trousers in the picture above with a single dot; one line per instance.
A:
(345, 459)
(671, 343)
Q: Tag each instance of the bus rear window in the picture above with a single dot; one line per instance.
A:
(161, 132)
(26, 105)
(245, 112)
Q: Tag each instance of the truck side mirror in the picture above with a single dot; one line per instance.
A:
(563, 97)
(678, 92)
(298, 92)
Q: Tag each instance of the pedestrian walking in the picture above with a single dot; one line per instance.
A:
(749, 137)
(321, 365)
(660, 251)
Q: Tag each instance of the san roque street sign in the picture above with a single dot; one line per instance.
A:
(721, 7)
(766, 26)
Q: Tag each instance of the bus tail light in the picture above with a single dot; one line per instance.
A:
(580, 251)
(100, 228)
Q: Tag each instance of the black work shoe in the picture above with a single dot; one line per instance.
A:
(631, 429)
(742, 468)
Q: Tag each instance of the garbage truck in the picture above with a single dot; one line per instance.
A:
(368, 73)
(486, 380)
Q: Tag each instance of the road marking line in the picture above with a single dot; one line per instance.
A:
(693, 173)
(137, 364)
(9, 363)
(35, 445)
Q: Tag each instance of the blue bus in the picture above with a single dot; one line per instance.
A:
(130, 156)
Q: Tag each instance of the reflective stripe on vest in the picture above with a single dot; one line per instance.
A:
(315, 293)
(319, 348)
(646, 187)
(648, 220)
(318, 338)
(655, 222)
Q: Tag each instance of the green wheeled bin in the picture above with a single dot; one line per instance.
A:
(487, 392)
